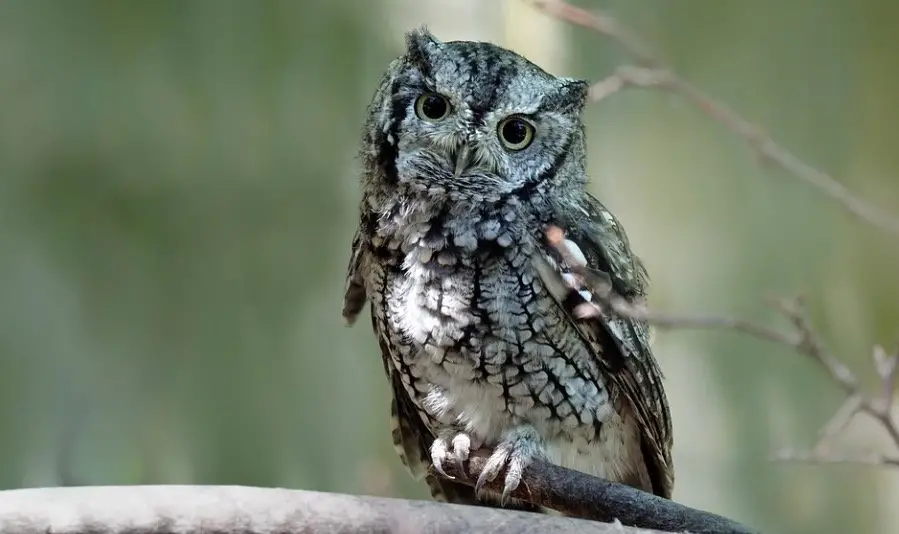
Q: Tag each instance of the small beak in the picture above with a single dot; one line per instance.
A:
(463, 158)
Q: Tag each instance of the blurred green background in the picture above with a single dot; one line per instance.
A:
(178, 190)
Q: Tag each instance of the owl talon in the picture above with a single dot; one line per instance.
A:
(439, 468)
(450, 445)
(439, 453)
(515, 451)
(461, 450)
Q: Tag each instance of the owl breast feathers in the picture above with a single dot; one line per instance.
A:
(470, 153)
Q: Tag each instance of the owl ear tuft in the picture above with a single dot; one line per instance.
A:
(419, 43)
(572, 95)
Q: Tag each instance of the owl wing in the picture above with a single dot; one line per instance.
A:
(621, 344)
(354, 296)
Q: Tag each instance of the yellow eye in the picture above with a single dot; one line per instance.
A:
(515, 133)
(432, 107)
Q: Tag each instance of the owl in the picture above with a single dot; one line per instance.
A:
(470, 153)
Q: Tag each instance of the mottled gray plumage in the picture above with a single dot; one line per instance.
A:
(472, 308)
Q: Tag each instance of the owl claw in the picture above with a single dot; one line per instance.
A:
(461, 449)
(515, 451)
(450, 445)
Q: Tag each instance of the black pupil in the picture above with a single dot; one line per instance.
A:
(515, 131)
(433, 107)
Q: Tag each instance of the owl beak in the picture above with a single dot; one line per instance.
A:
(463, 158)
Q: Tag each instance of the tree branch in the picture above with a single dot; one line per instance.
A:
(246, 510)
(652, 73)
(580, 495)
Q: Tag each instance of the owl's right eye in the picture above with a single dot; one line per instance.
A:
(432, 107)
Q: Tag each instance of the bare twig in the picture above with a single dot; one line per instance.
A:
(245, 510)
(803, 340)
(628, 76)
(652, 73)
(840, 420)
(873, 459)
(887, 367)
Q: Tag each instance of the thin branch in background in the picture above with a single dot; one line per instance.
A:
(880, 408)
(628, 76)
(887, 367)
(803, 340)
(840, 419)
(651, 73)
(815, 457)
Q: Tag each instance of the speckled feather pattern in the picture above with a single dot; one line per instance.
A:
(469, 304)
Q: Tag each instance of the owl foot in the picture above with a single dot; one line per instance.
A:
(517, 448)
(450, 445)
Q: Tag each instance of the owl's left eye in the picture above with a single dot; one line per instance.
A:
(432, 107)
(515, 133)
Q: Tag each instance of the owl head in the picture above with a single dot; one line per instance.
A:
(473, 121)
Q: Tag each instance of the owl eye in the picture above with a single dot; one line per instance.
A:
(515, 133)
(432, 107)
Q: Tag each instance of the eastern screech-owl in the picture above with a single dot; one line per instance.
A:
(470, 153)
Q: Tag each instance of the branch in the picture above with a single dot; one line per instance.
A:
(803, 340)
(652, 73)
(246, 510)
(580, 495)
